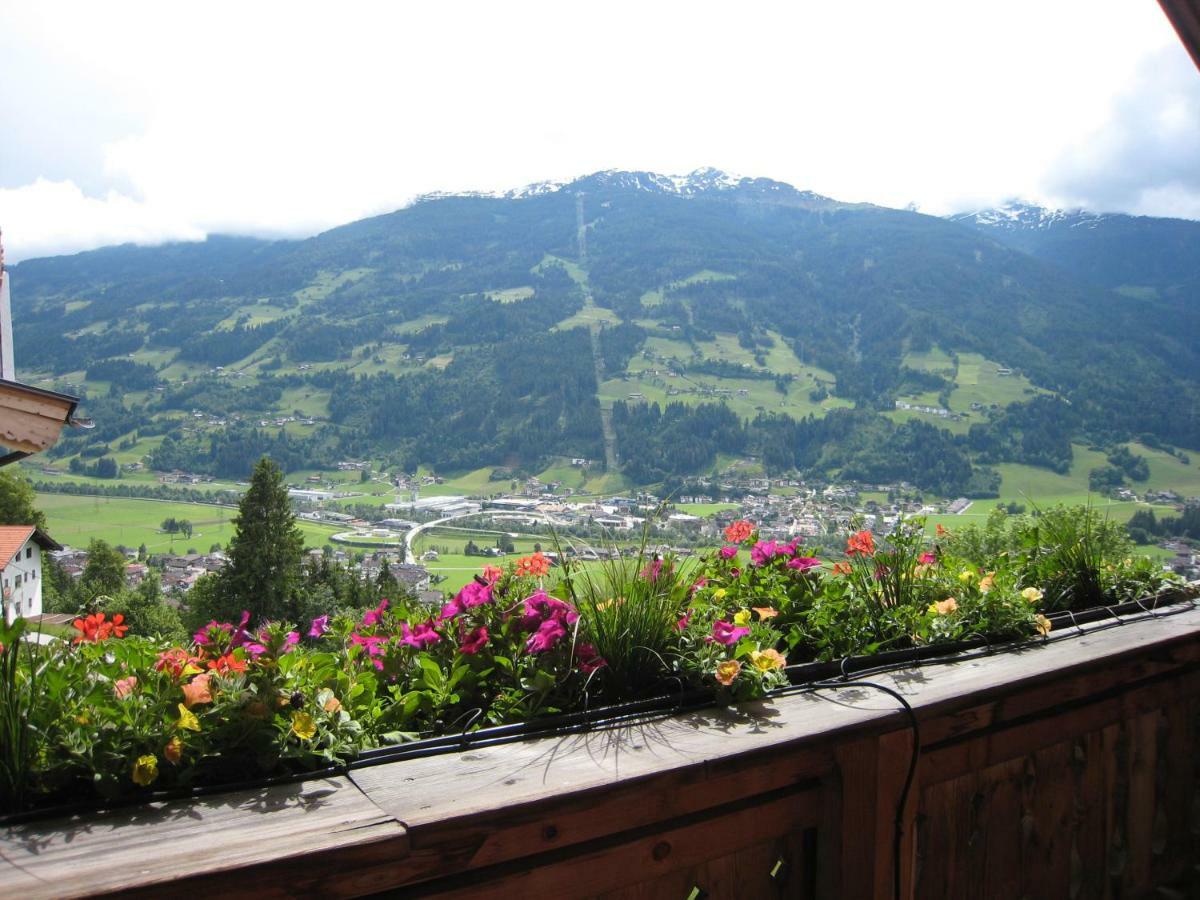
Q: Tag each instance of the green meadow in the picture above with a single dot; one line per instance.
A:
(74, 521)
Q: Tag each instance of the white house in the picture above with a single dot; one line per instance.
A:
(21, 549)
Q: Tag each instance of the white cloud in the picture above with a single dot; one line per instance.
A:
(273, 118)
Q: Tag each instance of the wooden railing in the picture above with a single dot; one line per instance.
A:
(1061, 770)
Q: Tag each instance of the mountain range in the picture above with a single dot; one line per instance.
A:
(654, 325)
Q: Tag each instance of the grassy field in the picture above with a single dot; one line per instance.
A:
(76, 520)
(704, 510)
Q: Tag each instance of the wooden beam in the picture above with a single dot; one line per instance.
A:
(1185, 17)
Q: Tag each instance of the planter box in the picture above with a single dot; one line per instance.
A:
(1064, 769)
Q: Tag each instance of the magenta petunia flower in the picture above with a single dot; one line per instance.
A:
(729, 551)
(473, 642)
(804, 563)
(683, 622)
(450, 610)
(420, 637)
(375, 616)
(319, 626)
(589, 659)
(540, 607)
(373, 643)
(473, 594)
(653, 570)
(927, 558)
(762, 552)
(727, 633)
(548, 634)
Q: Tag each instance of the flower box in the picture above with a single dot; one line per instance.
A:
(1064, 768)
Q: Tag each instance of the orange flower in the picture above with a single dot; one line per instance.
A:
(94, 629)
(985, 583)
(766, 660)
(491, 574)
(173, 751)
(536, 565)
(842, 568)
(224, 665)
(739, 531)
(765, 612)
(332, 705)
(197, 691)
(944, 607)
(727, 671)
(861, 542)
(941, 530)
(178, 663)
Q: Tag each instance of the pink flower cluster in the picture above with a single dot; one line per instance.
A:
(473, 594)
(548, 618)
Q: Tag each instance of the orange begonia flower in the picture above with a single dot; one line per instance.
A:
(197, 691)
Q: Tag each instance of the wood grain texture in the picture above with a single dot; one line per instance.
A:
(288, 840)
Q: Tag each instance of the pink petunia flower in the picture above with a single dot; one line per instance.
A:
(729, 551)
(421, 636)
(473, 642)
(804, 563)
(375, 616)
(727, 633)
(319, 626)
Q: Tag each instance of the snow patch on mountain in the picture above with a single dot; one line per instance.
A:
(1017, 214)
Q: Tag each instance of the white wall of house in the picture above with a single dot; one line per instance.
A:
(21, 580)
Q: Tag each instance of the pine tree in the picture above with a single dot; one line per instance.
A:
(263, 575)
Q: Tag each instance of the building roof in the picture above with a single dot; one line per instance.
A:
(13, 538)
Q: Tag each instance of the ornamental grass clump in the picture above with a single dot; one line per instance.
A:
(628, 611)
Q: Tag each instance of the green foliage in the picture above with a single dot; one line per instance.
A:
(104, 574)
(263, 574)
(17, 501)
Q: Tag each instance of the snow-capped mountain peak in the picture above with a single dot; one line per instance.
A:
(1020, 215)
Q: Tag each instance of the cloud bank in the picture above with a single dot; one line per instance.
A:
(152, 122)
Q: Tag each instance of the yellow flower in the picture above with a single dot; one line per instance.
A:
(985, 583)
(1032, 594)
(1042, 624)
(766, 660)
(741, 618)
(173, 751)
(943, 607)
(965, 575)
(187, 719)
(303, 726)
(727, 671)
(719, 593)
(145, 770)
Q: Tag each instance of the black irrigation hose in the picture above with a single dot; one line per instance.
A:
(803, 677)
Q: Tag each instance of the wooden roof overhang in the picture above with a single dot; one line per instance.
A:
(1185, 16)
(31, 419)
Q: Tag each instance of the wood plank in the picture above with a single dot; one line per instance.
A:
(1047, 808)
(644, 858)
(319, 837)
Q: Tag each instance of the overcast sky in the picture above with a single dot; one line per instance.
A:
(161, 121)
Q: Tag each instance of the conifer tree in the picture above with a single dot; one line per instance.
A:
(263, 575)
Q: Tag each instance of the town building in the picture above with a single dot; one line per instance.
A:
(21, 548)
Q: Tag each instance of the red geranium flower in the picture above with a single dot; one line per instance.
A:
(94, 629)
(739, 531)
(861, 542)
